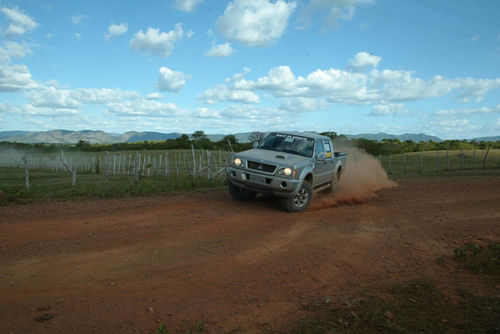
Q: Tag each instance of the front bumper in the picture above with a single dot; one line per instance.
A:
(263, 183)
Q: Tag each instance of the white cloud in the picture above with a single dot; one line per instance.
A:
(13, 50)
(468, 111)
(187, 6)
(497, 125)
(15, 78)
(474, 38)
(373, 87)
(386, 109)
(303, 104)
(363, 61)
(115, 30)
(51, 97)
(155, 96)
(255, 22)
(78, 19)
(20, 23)
(222, 93)
(78, 35)
(332, 10)
(150, 108)
(170, 81)
(220, 51)
(155, 42)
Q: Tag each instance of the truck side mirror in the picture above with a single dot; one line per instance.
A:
(255, 144)
(321, 157)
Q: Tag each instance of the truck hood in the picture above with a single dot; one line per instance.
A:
(273, 157)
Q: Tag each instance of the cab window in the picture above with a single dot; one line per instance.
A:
(320, 149)
(327, 148)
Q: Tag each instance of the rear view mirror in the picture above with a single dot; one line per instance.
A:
(255, 144)
(321, 157)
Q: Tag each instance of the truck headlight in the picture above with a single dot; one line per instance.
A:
(287, 171)
(237, 162)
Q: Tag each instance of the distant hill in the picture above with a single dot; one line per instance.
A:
(407, 136)
(491, 138)
(101, 137)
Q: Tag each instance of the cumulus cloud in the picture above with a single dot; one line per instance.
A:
(15, 78)
(187, 6)
(144, 107)
(386, 87)
(51, 97)
(363, 61)
(78, 35)
(386, 109)
(220, 51)
(155, 96)
(170, 81)
(331, 11)
(115, 30)
(155, 42)
(20, 23)
(303, 104)
(13, 50)
(468, 111)
(255, 22)
(78, 19)
(223, 93)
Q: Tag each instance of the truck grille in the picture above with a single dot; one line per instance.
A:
(261, 167)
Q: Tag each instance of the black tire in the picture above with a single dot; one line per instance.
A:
(335, 181)
(301, 201)
(241, 194)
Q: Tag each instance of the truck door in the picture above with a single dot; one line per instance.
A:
(329, 159)
(321, 174)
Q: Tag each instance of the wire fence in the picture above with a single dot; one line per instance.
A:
(439, 162)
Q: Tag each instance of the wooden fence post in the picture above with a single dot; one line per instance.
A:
(474, 159)
(438, 162)
(390, 163)
(461, 159)
(166, 164)
(486, 156)
(404, 164)
(137, 167)
(421, 164)
(26, 174)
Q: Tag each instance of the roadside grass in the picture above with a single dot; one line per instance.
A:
(411, 307)
(484, 260)
(49, 185)
(417, 306)
(51, 182)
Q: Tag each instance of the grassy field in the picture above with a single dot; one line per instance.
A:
(442, 162)
(122, 175)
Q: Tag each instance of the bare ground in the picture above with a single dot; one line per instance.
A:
(127, 265)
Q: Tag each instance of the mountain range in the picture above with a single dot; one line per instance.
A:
(101, 137)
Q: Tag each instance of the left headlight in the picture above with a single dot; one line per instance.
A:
(237, 162)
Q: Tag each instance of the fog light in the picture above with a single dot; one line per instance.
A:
(233, 173)
(283, 184)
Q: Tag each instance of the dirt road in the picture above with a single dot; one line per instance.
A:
(127, 265)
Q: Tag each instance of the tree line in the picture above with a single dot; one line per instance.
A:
(199, 140)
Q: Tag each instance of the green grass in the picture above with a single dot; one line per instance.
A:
(46, 185)
(483, 260)
(442, 163)
(411, 307)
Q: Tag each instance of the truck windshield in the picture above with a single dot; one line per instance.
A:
(289, 143)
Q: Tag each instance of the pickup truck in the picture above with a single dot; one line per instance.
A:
(290, 165)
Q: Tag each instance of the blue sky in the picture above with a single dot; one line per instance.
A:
(350, 66)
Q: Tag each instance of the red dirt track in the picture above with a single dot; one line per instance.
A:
(127, 265)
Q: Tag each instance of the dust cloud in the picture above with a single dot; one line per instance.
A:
(362, 178)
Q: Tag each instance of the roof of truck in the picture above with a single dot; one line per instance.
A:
(302, 134)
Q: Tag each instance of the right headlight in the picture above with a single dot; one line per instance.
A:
(237, 162)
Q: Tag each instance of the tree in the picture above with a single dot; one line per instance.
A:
(256, 136)
(197, 135)
(331, 134)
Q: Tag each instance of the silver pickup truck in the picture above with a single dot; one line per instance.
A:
(290, 165)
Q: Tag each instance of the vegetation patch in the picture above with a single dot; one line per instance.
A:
(411, 307)
(480, 259)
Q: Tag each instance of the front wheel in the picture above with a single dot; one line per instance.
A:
(301, 201)
(241, 194)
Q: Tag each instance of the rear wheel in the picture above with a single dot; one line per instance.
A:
(301, 201)
(335, 181)
(241, 194)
